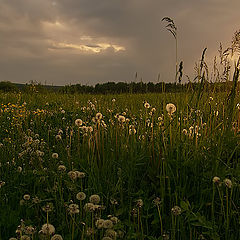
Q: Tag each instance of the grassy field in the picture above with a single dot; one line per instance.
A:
(150, 166)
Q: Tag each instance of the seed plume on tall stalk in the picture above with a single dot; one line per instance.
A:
(172, 28)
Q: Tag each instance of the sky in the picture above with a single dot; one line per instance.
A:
(64, 42)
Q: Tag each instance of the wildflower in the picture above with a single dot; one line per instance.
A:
(19, 169)
(113, 100)
(107, 224)
(73, 208)
(99, 223)
(78, 122)
(26, 197)
(57, 237)
(48, 229)
(171, 108)
(216, 180)
(146, 105)
(228, 183)
(176, 210)
(81, 196)
(54, 155)
(94, 199)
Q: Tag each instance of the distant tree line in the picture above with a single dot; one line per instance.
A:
(115, 88)
(140, 87)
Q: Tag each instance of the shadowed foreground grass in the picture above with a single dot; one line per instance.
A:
(119, 167)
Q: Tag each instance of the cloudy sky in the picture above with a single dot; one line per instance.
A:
(89, 41)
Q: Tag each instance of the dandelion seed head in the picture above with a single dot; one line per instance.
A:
(78, 122)
(73, 175)
(108, 224)
(98, 116)
(171, 108)
(176, 210)
(216, 180)
(99, 223)
(111, 233)
(26, 197)
(94, 199)
(57, 237)
(228, 183)
(147, 105)
(81, 196)
(81, 174)
(48, 229)
(121, 118)
(89, 207)
(25, 237)
(55, 155)
(62, 168)
(139, 203)
(73, 208)
(58, 137)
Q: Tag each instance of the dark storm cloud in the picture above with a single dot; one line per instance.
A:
(93, 41)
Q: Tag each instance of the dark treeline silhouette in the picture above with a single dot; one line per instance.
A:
(140, 87)
(116, 88)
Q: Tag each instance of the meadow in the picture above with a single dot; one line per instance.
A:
(128, 166)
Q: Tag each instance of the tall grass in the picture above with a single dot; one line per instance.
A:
(153, 170)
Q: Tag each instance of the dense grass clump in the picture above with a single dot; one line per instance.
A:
(146, 166)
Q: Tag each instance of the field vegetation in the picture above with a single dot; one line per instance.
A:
(128, 166)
